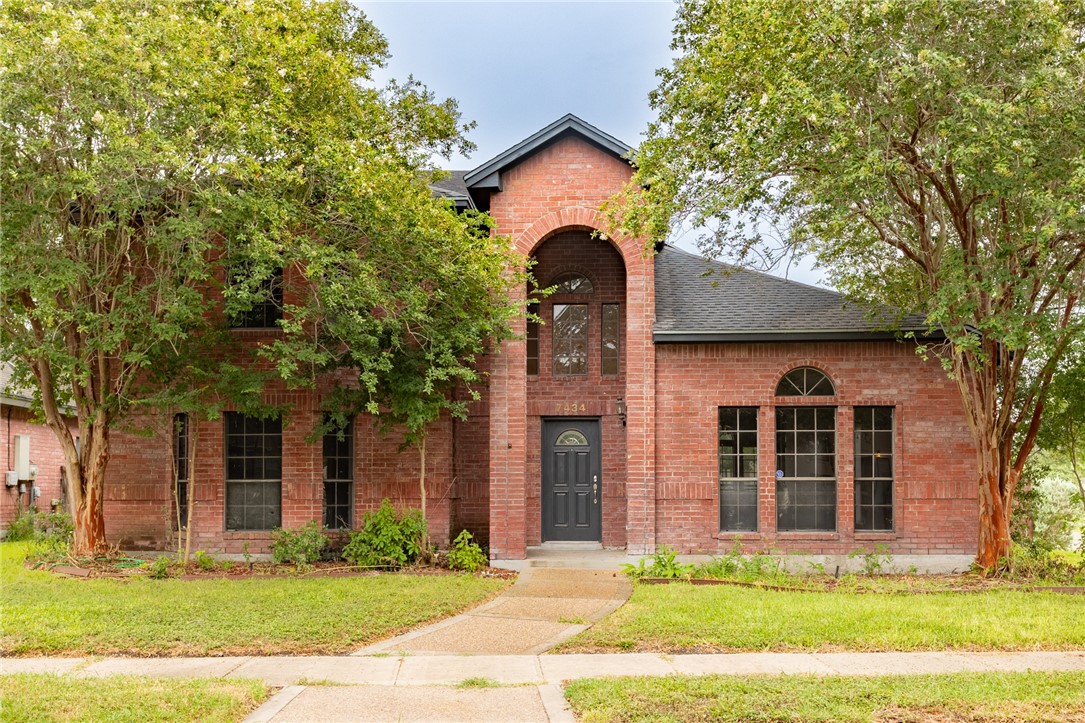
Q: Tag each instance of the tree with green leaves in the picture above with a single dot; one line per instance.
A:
(1063, 432)
(929, 153)
(161, 160)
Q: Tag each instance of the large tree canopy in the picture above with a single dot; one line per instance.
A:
(160, 159)
(931, 153)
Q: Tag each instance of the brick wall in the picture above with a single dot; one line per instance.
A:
(548, 204)
(935, 490)
(45, 452)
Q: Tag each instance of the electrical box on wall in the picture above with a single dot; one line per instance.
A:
(11, 478)
(22, 456)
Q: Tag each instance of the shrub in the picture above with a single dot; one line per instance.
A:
(466, 555)
(53, 529)
(205, 561)
(301, 547)
(386, 539)
(160, 568)
(664, 564)
(876, 562)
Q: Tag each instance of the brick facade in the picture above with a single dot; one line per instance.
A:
(660, 468)
(45, 452)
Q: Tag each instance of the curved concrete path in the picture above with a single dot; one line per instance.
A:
(544, 607)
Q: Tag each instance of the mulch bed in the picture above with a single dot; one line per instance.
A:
(120, 568)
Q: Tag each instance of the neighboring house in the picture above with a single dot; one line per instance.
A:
(48, 490)
(658, 404)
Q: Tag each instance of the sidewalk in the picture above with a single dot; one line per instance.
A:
(331, 688)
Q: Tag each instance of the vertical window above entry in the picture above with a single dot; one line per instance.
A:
(532, 338)
(874, 469)
(570, 339)
(738, 469)
(610, 340)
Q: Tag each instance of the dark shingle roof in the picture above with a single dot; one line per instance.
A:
(453, 188)
(699, 300)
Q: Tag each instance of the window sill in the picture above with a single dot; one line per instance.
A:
(808, 535)
(749, 535)
(246, 535)
(876, 535)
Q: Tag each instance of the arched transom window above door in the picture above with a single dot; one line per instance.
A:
(805, 382)
(572, 283)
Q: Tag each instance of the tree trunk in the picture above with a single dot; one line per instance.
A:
(994, 532)
(193, 439)
(88, 520)
(422, 489)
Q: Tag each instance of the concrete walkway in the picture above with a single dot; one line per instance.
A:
(546, 606)
(520, 687)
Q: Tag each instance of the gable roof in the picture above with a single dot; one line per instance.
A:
(703, 301)
(488, 175)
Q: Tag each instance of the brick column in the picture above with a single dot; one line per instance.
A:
(508, 449)
(640, 399)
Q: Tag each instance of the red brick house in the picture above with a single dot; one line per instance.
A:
(48, 488)
(655, 405)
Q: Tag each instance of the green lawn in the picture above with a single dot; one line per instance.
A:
(954, 697)
(45, 697)
(45, 614)
(686, 618)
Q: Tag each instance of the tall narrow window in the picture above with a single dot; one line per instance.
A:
(339, 478)
(532, 337)
(611, 338)
(738, 469)
(805, 468)
(874, 468)
(180, 454)
(254, 472)
(570, 339)
(267, 310)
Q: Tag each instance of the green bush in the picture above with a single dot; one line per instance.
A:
(160, 568)
(301, 547)
(205, 561)
(466, 555)
(53, 529)
(386, 539)
(664, 564)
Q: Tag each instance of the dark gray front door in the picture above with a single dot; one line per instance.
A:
(572, 482)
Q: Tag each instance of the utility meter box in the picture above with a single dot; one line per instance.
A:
(11, 478)
(22, 456)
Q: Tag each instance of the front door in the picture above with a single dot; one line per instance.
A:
(572, 482)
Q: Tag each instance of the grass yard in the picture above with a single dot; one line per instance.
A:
(46, 697)
(45, 614)
(685, 618)
(944, 698)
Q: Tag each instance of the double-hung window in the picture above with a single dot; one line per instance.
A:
(738, 469)
(805, 469)
(254, 472)
(339, 477)
(874, 469)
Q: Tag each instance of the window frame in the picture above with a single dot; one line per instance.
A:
(348, 482)
(586, 340)
(267, 313)
(739, 458)
(820, 483)
(231, 481)
(616, 356)
(874, 478)
(181, 440)
(807, 389)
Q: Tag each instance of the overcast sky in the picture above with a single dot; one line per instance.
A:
(515, 67)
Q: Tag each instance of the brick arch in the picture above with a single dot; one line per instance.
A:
(813, 364)
(572, 218)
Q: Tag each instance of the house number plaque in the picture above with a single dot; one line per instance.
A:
(571, 408)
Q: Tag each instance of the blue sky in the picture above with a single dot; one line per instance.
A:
(514, 67)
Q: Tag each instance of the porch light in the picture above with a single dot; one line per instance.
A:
(620, 404)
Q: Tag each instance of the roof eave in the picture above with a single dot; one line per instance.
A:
(488, 175)
(769, 335)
